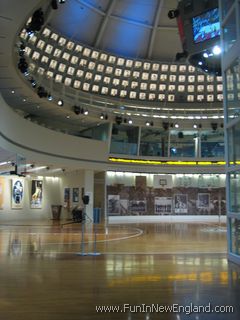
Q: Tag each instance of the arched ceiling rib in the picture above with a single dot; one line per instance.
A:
(131, 28)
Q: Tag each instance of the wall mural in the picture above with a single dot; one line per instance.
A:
(36, 194)
(184, 197)
(17, 193)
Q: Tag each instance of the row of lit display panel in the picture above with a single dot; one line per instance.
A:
(174, 93)
(118, 72)
(96, 77)
(116, 61)
(71, 47)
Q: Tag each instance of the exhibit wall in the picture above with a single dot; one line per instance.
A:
(31, 197)
(23, 198)
(71, 185)
(135, 194)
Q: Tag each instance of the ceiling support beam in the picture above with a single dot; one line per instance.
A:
(104, 23)
(91, 7)
(154, 30)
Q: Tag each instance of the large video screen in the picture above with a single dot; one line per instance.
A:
(206, 26)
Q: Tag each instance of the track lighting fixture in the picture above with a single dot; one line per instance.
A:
(41, 92)
(77, 110)
(36, 23)
(118, 120)
(214, 126)
(54, 4)
(23, 65)
(165, 125)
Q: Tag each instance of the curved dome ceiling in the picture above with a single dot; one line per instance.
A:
(129, 28)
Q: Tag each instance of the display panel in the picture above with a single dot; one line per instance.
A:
(17, 193)
(206, 26)
(36, 194)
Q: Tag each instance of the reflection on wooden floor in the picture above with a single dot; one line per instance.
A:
(43, 278)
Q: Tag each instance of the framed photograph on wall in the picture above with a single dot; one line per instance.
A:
(36, 194)
(66, 195)
(17, 193)
(113, 204)
(203, 201)
(75, 195)
(180, 203)
(124, 207)
(163, 205)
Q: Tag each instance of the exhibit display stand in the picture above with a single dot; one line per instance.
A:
(84, 220)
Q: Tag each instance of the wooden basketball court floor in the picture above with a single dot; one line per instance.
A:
(43, 275)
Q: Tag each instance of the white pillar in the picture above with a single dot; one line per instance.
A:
(89, 190)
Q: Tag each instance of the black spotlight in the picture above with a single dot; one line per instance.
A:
(77, 110)
(118, 120)
(181, 55)
(41, 92)
(54, 4)
(214, 126)
(85, 199)
(180, 135)
(165, 125)
(21, 50)
(22, 65)
(172, 14)
(36, 22)
(61, 1)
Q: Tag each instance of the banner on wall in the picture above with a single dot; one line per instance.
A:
(138, 206)
(162, 181)
(180, 203)
(36, 194)
(163, 205)
(203, 201)
(124, 207)
(2, 187)
(17, 193)
(113, 204)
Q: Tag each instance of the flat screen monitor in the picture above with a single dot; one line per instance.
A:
(206, 26)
